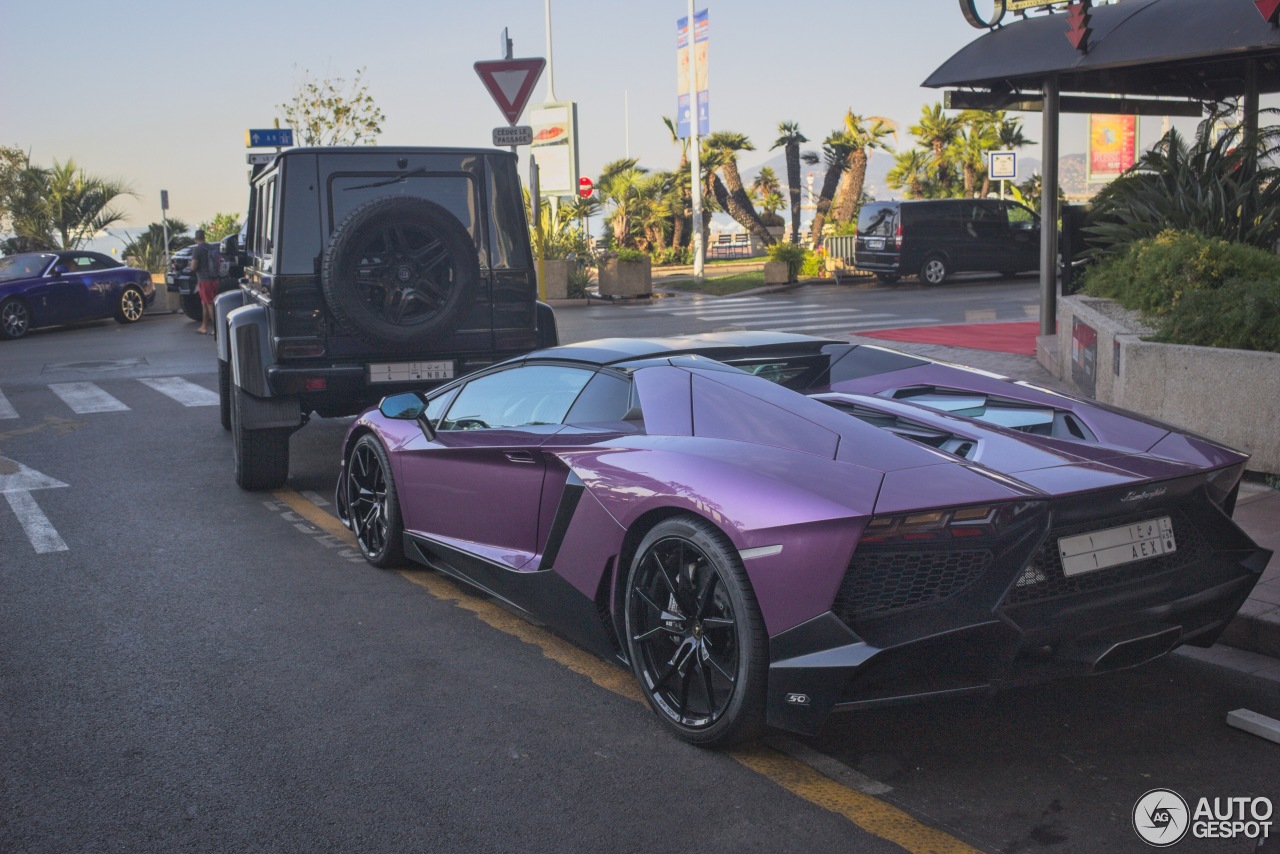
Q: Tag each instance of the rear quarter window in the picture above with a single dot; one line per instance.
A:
(877, 221)
(456, 193)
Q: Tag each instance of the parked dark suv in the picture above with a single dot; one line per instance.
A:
(937, 237)
(369, 271)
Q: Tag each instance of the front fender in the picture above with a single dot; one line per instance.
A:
(223, 305)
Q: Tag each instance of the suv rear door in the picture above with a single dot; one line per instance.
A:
(877, 230)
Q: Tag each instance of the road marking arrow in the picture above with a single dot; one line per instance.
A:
(16, 482)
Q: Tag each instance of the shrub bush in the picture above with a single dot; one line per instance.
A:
(791, 255)
(625, 254)
(1154, 275)
(1243, 314)
(812, 266)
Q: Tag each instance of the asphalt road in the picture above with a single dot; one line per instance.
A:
(185, 666)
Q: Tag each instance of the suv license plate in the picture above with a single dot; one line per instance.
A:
(1115, 546)
(402, 372)
(875, 242)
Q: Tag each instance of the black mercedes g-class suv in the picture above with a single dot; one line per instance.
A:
(369, 270)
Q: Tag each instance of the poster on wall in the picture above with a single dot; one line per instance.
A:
(1113, 146)
(700, 32)
(555, 147)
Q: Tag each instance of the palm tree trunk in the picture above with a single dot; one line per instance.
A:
(739, 204)
(829, 184)
(793, 187)
(850, 191)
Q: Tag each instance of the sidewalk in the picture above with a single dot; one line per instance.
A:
(1256, 629)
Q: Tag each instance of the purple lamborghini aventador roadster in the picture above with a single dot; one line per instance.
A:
(768, 528)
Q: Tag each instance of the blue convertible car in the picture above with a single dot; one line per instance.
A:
(47, 288)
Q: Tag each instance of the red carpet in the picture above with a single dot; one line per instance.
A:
(1019, 337)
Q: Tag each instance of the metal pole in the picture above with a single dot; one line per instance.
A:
(695, 157)
(1049, 212)
(551, 74)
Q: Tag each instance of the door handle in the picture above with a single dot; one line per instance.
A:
(519, 456)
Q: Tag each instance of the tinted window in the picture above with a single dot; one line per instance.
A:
(606, 398)
(520, 397)
(1022, 218)
(22, 266)
(454, 193)
(877, 221)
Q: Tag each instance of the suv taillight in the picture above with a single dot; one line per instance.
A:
(897, 237)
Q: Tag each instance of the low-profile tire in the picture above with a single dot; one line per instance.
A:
(399, 270)
(15, 319)
(191, 306)
(934, 270)
(261, 456)
(372, 505)
(131, 306)
(695, 636)
(888, 278)
(224, 393)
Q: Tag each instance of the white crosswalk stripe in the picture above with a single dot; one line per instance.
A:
(767, 311)
(86, 398)
(898, 321)
(186, 393)
(6, 408)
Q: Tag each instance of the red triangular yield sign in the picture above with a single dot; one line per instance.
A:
(1270, 9)
(510, 82)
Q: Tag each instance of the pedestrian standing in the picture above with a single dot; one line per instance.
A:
(202, 264)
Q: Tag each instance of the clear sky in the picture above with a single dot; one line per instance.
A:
(160, 93)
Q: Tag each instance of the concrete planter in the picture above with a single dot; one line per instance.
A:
(1232, 396)
(626, 278)
(775, 273)
(556, 278)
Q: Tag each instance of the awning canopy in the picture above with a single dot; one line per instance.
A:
(1197, 49)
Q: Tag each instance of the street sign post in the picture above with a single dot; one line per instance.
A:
(259, 158)
(513, 135)
(268, 138)
(585, 187)
(510, 82)
(1002, 165)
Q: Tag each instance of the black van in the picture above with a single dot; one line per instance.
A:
(933, 238)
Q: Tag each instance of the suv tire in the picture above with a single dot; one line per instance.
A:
(398, 270)
(261, 456)
(934, 270)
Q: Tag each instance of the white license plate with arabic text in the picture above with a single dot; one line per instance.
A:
(1115, 546)
(404, 372)
(875, 242)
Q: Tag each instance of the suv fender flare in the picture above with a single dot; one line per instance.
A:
(223, 305)
(249, 340)
(548, 335)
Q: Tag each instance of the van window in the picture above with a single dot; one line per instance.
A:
(877, 221)
(1022, 218)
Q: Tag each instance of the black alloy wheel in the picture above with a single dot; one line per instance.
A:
(132, 305)
(15, 319)
(694, 633)
(371, 504)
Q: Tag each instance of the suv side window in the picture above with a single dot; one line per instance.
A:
(265, 217)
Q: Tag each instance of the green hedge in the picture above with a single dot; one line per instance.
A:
(1241, 315)
(1196, 290)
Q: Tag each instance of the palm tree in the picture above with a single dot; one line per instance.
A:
(148, 248)
(936, 130)
(738, 203)
(911, 173)
(789, 140)
(864, 134)
(682, 213)
(619, 186)
(835, 154)
(79, 204)
(766, 188)
(653, 214)
(977, 136)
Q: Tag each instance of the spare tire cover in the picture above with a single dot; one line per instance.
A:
(399, 270)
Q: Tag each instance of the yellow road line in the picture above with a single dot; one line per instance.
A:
(869, 813)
